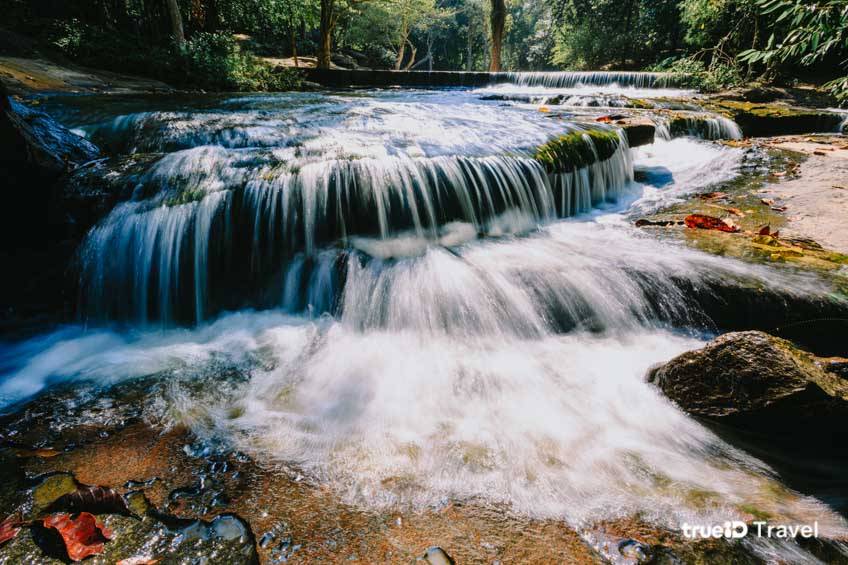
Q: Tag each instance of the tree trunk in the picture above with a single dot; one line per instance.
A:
(328, 22)
(497, 21)
(212, 16)
(176, 21)
(401, 53)
(293, 33)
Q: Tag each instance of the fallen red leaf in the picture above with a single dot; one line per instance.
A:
(83, 536)
(10, 527)
(702, 222)
(765, 231)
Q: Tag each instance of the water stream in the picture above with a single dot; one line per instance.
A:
(420, 310)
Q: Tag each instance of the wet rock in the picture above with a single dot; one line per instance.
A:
(635, 551)
(35, 153)
(639, 131)
(755, 381)
(36, 145)
(436, 556)
(772, 119)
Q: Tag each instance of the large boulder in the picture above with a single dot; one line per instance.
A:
(35, 144)
(754, 381)
(36, 156)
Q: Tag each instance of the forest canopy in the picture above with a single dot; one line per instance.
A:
(718, 42)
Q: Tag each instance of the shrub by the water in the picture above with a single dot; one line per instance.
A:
(695, 74)
(217, 61)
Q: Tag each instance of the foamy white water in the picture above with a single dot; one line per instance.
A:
(433, 329)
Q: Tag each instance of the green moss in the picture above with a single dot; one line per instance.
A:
(640, 103)
(577, 150)
(186, 197)
(768, 119)
(755, 512)
(50, 490)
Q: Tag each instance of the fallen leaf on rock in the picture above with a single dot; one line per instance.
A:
(712, 195)
(83, 536)
(779, 208)
(765, 231)
(819, 153)
(140, 560)
(544, 109)
(700, 221)
(767, 201)
(10, 527)
(98, 500)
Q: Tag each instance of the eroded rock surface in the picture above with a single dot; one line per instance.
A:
(757, 381)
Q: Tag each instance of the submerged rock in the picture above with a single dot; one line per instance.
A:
(755, 381)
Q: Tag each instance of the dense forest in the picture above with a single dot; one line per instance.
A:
(215, 43)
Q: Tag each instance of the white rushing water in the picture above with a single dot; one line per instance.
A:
(434, 329)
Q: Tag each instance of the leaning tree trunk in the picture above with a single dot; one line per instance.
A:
(176, 21)
(328, 22)
(498, 21)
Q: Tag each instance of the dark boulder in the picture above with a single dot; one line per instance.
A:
(35, 144)
(755, 381)
(36, 156)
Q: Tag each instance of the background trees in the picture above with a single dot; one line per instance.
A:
(718, 41)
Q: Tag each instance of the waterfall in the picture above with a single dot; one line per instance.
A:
(703, 126)
(225, 219)
(595, 78)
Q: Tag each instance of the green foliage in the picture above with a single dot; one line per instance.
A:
(215, 61)
(710, 23)
(625, 33)
(816, 30)
(696, 74)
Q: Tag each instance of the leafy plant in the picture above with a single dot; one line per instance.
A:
(816, 30)
(216, 61)
(695, 73)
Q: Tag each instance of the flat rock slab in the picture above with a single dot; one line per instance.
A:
(817, 199)
(28, 75)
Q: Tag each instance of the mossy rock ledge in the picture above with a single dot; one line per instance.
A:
(754, 381)
(772, 119)
(577, 150)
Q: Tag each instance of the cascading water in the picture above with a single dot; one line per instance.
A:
(702, 126)
(204, 212)
(430, 331)
(591, 78)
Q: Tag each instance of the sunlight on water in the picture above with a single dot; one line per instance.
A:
(433, 330)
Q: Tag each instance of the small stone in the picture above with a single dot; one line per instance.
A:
(436, 556)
